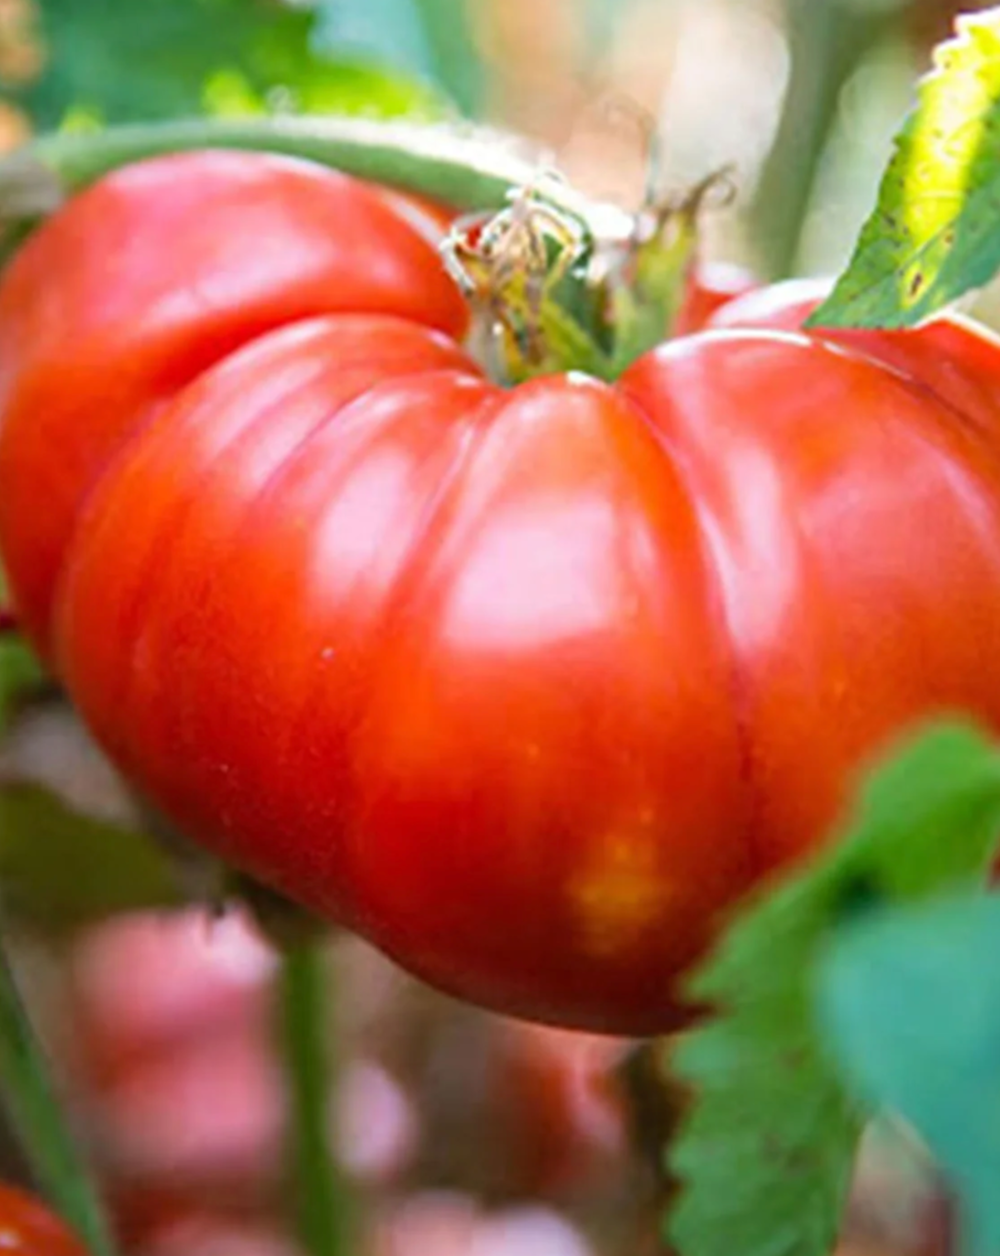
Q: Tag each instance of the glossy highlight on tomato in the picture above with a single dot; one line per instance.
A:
(527, 686)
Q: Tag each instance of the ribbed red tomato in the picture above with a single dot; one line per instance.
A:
(525, 685)
(27, 1228)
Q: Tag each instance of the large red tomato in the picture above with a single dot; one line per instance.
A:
(525, 685)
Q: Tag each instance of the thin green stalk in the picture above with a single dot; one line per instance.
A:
(29, 1096)
(462, 166)
(827, 40)
(321, 1199)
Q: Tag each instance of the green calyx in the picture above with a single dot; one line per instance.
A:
(554, 295)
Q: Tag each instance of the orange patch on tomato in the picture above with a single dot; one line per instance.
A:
(619, 892)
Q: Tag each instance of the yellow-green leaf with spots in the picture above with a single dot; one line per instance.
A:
(935, 232)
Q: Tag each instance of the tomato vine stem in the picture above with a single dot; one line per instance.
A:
(321, 1201)
(466, 167)
(31, 1100)
(828, 42)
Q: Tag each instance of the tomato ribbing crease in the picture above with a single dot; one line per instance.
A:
(528, 685)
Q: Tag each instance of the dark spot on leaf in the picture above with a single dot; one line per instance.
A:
(857, 895)
(797, 1058)
(916, 284)
(793, 1160)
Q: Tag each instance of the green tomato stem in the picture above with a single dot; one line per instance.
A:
(465, 167)
(321, 1200)
(30, 1098)
(828, 41)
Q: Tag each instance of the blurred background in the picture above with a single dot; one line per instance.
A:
(798, 97)
(459, 1133)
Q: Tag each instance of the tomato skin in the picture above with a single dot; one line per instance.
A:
(780, 306)
(106, 320)
(810, 467)
(952, 356)
(711, 287)
(527, 686)
(471, 642)
(27, 1228)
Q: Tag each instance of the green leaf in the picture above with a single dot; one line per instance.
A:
(431, 39)
(390, 32)
(110, 62)
(768, 1147)
(457, 61)
(646, 305)
(20, 672)
(60, 869)
(910, 998)
(31, 1098)
(933, 234)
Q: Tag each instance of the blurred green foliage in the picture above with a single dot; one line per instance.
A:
(19, 670)
(109, 61)
(910, 999)
(432, 38)
(766, 1151)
